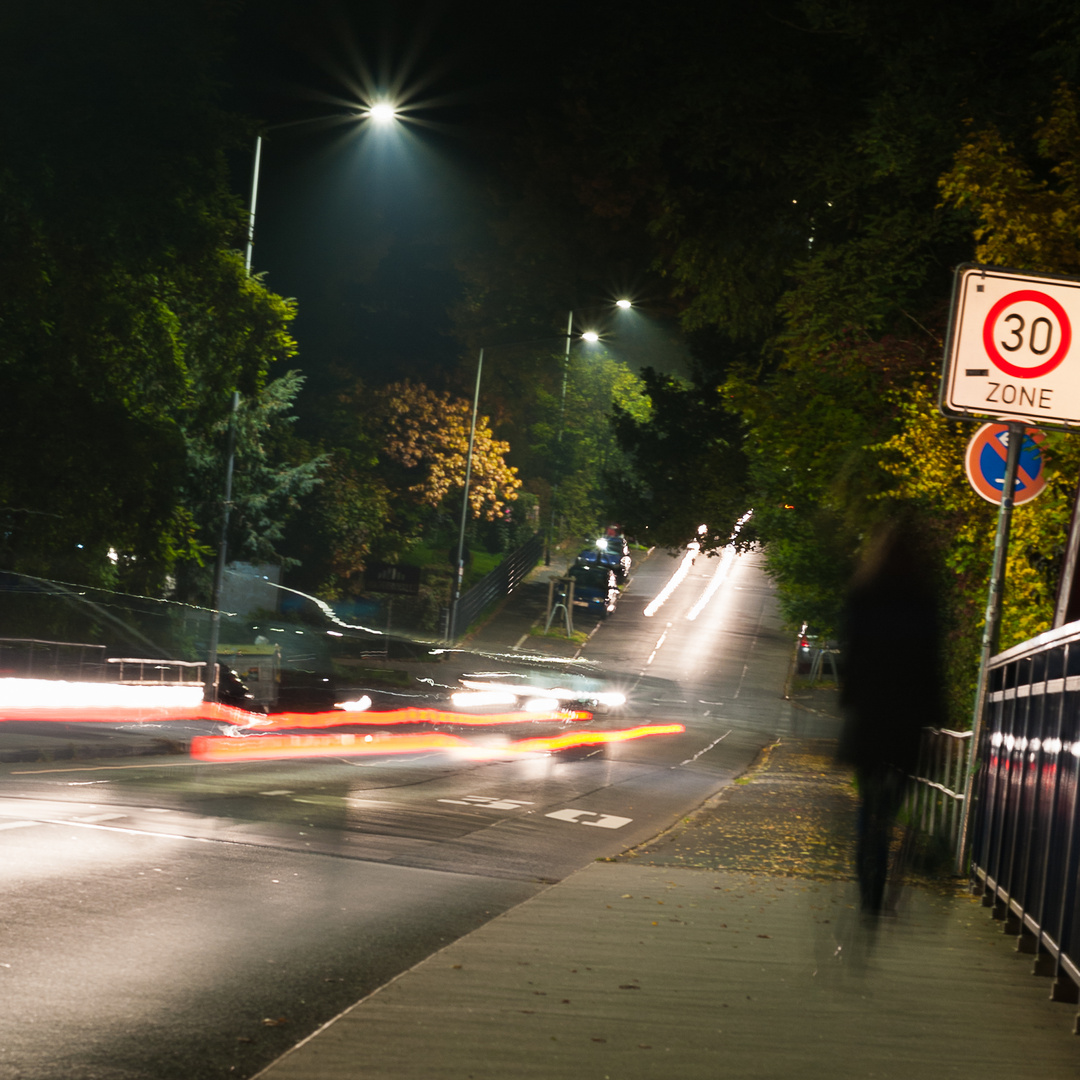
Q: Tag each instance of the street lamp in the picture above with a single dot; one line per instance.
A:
(592, 337)
(589, 336)
(380, 112)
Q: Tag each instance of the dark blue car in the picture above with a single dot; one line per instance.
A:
(594, 588)
(611, 552)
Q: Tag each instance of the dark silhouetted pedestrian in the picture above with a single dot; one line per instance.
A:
(891, 689)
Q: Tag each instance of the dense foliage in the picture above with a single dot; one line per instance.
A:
(795, 211)
(126, 314)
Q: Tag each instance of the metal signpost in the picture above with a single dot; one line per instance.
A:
(1008, 358)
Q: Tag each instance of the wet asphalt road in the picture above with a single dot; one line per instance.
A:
(168, 918)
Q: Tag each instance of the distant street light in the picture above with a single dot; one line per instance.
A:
(590, 336)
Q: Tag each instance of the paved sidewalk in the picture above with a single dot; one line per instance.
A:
(731, 946)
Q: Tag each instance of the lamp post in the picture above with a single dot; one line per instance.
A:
(380, 112)
(588, 335)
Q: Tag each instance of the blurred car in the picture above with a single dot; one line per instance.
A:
(232, 690)
(813, 652)
(595, 588)
(806, 642)
(612, 552)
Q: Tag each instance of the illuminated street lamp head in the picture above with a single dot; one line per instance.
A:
(591, 336)
(624, 304)
(382, 112)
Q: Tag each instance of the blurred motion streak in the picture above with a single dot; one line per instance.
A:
(213, 748)
(674, 581)
(282, 721)
(593, 738)
(48, 700)
(73, 702)
(726, 558)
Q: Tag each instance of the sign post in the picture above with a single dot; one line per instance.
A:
(1009, 357)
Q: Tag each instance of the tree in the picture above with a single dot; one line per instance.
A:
(573, 440)
(126, 315)
(272, 473)
(684, 464)
(425, 443)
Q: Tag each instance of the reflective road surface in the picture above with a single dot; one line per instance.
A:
(170, 918)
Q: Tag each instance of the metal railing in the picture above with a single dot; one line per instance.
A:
(500, 582)
(30, 658)
(135, 671)
(935, 795)
(1025, 853)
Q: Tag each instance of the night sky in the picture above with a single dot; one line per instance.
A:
(365, 226)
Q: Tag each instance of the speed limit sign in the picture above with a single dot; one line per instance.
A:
(1010, 353)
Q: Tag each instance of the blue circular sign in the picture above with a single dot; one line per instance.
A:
(985, 463)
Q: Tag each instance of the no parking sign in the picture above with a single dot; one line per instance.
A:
(1014, 348)
(985, 464)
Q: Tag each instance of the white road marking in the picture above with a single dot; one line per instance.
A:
(185, 764)
(745, 669)
(18, 824)
(704, 749)
(603, 821)
(656, 647)
(489, 802)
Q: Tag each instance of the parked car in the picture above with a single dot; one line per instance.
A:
(815, 654)
(595, 588)
(610, 551)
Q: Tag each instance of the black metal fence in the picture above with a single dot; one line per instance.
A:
(1025, 840)
(30, 658)
(502, 581)
(935, 800)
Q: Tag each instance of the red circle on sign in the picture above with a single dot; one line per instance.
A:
(991, 346)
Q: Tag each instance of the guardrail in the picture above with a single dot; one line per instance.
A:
(935, 796)
(31, 658)
(500, 582)
(1025, 841)
(155, 672)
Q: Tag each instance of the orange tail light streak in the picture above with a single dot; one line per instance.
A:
(266, 747)
(280, 721)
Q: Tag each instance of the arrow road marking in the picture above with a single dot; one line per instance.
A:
(488, 802)
(603, 821)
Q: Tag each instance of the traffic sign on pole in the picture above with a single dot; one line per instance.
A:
(1013, 351)
(985, 464)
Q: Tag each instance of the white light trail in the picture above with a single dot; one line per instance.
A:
(18, 694)
(727, 559)
(673, 582)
